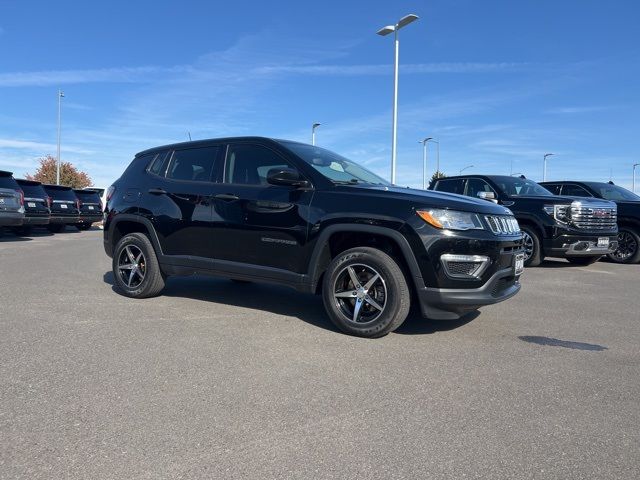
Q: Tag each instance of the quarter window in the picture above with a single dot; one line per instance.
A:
(250, 164)
(159, 165)
(193, 164)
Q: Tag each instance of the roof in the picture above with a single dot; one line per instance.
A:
(24, 181)
(56, 187)
(204, 142)
(4, 173)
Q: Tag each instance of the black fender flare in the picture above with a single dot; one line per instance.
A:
(128, 217)
(315, 270)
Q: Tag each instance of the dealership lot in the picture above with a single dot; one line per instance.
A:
(219, 380)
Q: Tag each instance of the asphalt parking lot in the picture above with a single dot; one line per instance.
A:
(219, 380)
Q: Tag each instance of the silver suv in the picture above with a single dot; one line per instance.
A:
(11, 201)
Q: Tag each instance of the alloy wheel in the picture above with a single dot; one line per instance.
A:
(527, 243)
(627, 246)
(360, 293)
(132, 266)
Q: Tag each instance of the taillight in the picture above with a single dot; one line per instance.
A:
(78, 203)
(21, 196)
(49, 202)
(110, 191)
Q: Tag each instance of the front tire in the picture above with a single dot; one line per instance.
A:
(56, 227)
(23, 231)
(583, 261)
(135, 267)
(83, 226)
(365, 293)
(628, 250)
(533, 255)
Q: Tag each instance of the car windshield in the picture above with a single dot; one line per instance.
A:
(514, 186)
(333, 166)
(614, 192)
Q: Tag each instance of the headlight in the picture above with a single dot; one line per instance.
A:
(561, 213)
(451, 219)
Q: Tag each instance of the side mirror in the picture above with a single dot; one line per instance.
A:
(287, 177)
(488, 196)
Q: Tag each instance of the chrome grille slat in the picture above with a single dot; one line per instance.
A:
(502, 224)
(594, 218)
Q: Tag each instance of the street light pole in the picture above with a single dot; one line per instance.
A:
(463, 169)
(406, 20)
(60, 95)
(424, 161)
(544, 166)
(313, 133)
(633, 187)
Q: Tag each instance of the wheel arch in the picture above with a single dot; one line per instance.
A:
(124, 224)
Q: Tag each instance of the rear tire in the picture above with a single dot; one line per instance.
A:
(533, 255)
(628, 246)
(365, 293)
(83, 226)
(135, 267)
(56, 227)
(583, 261)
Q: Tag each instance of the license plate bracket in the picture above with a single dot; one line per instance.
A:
(518, 264)
(603, 242)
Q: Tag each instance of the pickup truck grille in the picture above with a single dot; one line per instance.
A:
(594, 218)
(502, 224)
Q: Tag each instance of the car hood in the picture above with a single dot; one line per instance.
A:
(430, 198)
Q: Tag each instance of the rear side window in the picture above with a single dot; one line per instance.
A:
(555, 189)
(193, 164)
(250, 164)
(159, 164)
(455, 185)
(574, 191)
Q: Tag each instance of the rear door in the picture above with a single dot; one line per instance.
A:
(178, 199)
(264, 224)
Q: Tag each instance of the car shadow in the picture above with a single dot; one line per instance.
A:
(283, 301)
(6, 237)
(555, 263)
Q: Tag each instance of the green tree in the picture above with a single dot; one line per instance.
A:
(435, 177)
(69, 175)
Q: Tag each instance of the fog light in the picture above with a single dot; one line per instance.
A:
(468, 267)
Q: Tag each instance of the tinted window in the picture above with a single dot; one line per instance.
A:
(88, 196)
(7, 181)
(475, 185)
(555, 189)
(61, 194)
(249, 164)
(194, 164)
(159, 164)
(613, 192)
(33, 191)
(515, 186)
(455, 185)
(575, 191)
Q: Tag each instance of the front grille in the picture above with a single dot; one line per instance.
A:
(594, 218)
(502, 224)
(468, 267)
(463, 268)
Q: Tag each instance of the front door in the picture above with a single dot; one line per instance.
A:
(264, 224)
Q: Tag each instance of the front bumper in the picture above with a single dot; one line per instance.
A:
(453, 303)
(579, 246)
(66, 219)
(11, 219)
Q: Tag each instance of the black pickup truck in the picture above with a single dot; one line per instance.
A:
(628, 250)
(578, 229)
(276, 211)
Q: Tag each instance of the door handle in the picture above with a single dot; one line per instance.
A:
(226, 197)
(157, 191)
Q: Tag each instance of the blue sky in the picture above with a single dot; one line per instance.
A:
(500, 83)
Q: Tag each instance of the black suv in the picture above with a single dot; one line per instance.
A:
(11, 201)
(90, 208)
(628, 250)
(293, 214)
(36, 206)
(64, 207)
(580, 230)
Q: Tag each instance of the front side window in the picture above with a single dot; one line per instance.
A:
(250, 164)
(555, 189)
(476, 185)
(193, 164)
(455, 185)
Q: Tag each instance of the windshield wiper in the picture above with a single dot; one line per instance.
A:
(352, 181)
